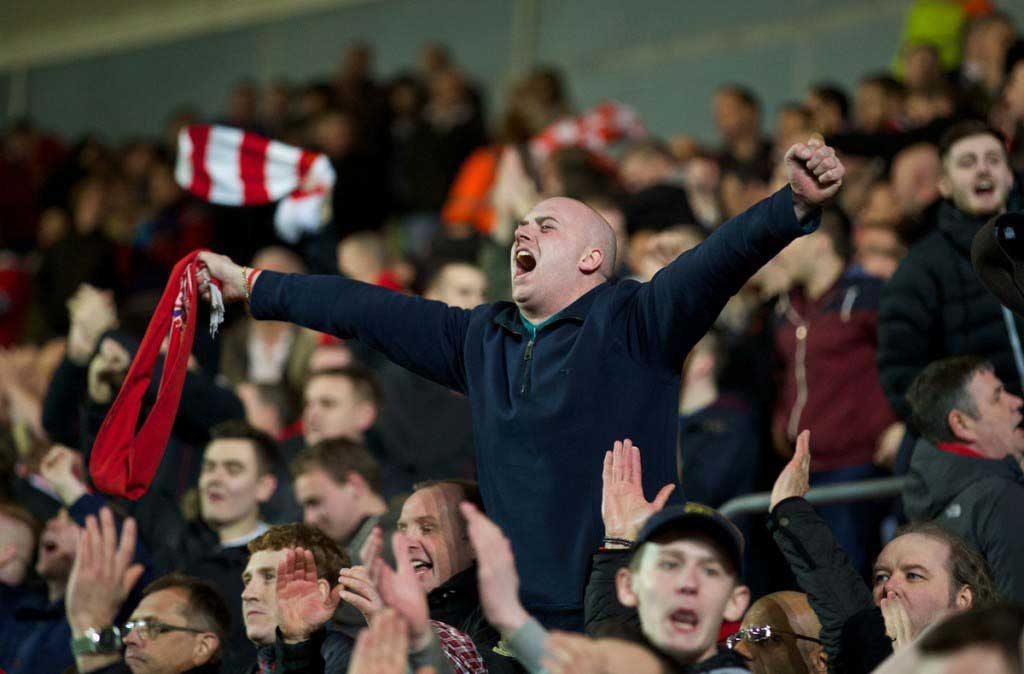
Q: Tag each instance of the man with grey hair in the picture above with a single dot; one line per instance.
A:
(966, 472)
(577, 360)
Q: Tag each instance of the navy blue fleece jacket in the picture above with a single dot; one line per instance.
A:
(545, 409)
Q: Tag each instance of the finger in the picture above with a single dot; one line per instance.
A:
(374, 544)
(815, 141)
(800, 151)
(619, 463)
(131, 576)
(662, 498)
(635, 467)
(362, 604)
(109, 533)
(606, 469)
(126, 546)
(334, 597)
(95, 542)
(400, 546)
(822, 165)
(284, 569)
(358, 585)
(311, 573)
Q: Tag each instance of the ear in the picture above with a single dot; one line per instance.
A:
(323, 587)
(624, 587)
(206, 647)
(961, 425)
(964, 598)
(818, 660)
(737, 604)
(592, 261)
(265, 487)
(945, 185)
(366, 415)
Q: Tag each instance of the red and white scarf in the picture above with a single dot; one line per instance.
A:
(232, 167)
(595, 130)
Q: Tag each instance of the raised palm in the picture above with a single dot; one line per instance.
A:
(401, 590)
(303, 604)
(623, 506)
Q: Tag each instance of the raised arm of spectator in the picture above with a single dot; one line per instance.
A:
(422, 335)
(682, 301)
(834, 589)
(91, 312)
(101, 578)
(499, 590)
(159, 518)
(624, 511)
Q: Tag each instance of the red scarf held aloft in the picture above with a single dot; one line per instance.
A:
(124, 462)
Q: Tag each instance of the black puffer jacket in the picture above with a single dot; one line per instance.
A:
(935, 306)
(979, 499)
(852, 627)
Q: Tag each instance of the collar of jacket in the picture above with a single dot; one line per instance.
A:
(508, 317)
(462, 585)
(959, 227)
(960, 450)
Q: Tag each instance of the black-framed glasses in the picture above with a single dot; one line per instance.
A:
(759, 633)
(151, 629)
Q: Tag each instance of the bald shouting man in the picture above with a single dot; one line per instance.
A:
(578, 360)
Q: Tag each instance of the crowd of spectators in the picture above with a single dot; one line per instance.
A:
(317, 509)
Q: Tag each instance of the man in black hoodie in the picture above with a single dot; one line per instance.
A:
(935, 305)
(966, 472)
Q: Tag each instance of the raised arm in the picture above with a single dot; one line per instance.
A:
(834, 589)
(683, 300)
(421, 335)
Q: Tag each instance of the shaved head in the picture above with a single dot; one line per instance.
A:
(596, 231)
(562, 249)
(787, 613)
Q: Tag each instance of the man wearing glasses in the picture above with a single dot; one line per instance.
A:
(779, 635)
(179, 627)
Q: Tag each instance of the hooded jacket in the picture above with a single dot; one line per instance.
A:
(981, 500)
(935, 306)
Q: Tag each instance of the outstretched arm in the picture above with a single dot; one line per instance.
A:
(421, 335)
(682, 301)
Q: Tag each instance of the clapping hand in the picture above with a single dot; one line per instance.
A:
(305, 602)
(103, 573)
(359, 584)
(623, 506)
(401, 590)
(496, 571)
(794, 480)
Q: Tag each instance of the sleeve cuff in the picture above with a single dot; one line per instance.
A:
(527, 645)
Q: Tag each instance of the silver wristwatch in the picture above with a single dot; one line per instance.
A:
(103, 641)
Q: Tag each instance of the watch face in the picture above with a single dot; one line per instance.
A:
(109, 639)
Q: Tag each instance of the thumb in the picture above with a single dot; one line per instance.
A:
(662, 497)
(334, 598)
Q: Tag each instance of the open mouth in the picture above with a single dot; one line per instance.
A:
(421, 567)
(49, 546)
(525, 262)
(984, 187)
(684, 621)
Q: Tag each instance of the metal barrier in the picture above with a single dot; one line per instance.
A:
(844, 492)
